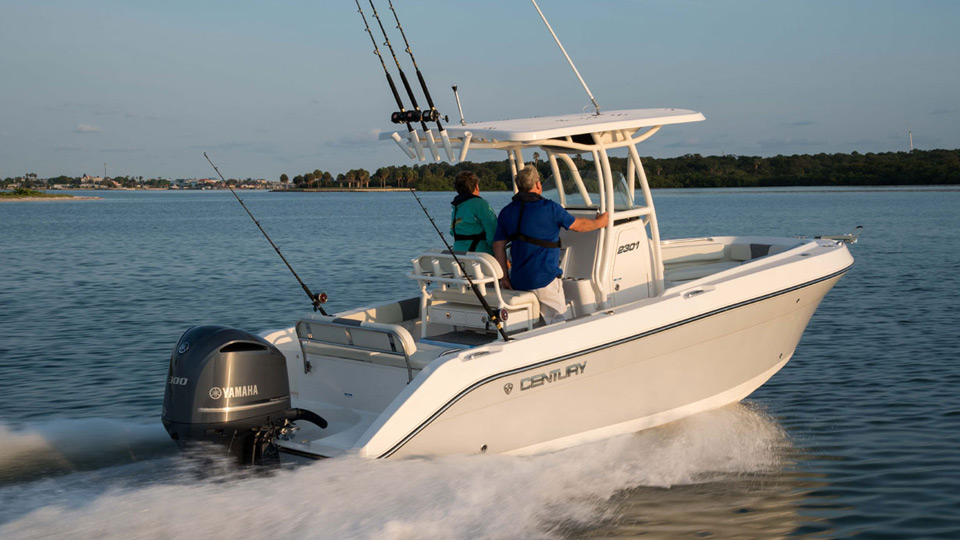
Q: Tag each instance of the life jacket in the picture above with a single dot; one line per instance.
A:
(475, 238)
(523, 199)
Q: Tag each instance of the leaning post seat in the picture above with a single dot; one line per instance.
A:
(447, 298)
(340, 337)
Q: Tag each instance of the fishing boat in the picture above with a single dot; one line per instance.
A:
(656, 329)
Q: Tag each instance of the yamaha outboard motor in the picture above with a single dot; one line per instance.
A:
(229, 387)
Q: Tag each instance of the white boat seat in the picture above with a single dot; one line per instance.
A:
(688, 273)
(392, 313)
(447, 297)
(350, 339)
(512, 298)
(473, 261)
(687, 252)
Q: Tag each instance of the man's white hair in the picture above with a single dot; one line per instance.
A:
(527, 178)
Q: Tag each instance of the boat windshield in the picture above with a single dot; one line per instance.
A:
(587, 195)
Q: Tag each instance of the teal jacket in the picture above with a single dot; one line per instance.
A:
(472, 217)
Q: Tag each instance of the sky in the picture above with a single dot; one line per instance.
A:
(289, 86)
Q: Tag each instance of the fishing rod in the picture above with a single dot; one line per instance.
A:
(315, 299)
(491, 314)
(403, 116)
(433, 115)
(418, 114)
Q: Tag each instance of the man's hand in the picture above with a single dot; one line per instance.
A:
(587, 225)
(505, 283)
(602, 220)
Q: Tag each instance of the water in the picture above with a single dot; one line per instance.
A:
(857, 435)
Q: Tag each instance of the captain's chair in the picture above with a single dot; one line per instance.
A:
(453, 303)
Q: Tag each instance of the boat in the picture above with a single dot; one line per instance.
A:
(656, 329)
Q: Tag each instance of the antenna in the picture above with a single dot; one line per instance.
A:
(554, 34)
(459, 108)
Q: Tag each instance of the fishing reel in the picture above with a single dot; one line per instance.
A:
(403, 117)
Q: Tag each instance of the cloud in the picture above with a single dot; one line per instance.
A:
(939, 112)
(801, 123)
(96, 109)
(65, 106)
(87, 128)
(68, 148)
(147, 116)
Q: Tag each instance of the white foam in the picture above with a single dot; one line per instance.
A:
(452, 497)
(68, 445)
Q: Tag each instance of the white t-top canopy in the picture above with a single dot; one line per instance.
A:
(548, 127)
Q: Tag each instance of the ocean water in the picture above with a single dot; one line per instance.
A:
(859, 435)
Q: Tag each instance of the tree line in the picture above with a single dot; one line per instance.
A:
(920, 167)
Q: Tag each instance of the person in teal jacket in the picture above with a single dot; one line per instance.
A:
(473, 221)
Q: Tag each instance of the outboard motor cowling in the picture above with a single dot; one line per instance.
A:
(229, 387)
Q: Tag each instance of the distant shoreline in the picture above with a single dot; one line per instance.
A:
(338, 190)
(63, 198)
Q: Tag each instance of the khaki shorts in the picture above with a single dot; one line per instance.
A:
(553, 304)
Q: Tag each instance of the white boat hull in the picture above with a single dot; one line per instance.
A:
(641, 381)
(701, 345)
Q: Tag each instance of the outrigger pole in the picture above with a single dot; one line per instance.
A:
(554, 34)
(418, 114)
(317, 298)
(433, 115)
(397, 117)
(492, 315)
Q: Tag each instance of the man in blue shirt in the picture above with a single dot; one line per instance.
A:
(533, 224)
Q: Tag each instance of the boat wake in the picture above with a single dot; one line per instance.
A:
(488, 496)
(65, 446)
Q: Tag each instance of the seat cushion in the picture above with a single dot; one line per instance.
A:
(691, 252)
(696, 272)
(512, 298)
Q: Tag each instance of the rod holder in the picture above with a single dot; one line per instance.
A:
(467, 137)
(433, 145)
(406, 149)
(415, 139)
(447, 146)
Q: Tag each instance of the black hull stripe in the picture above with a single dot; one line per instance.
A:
(621, 341)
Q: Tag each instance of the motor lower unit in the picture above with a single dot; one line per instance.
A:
(229, 387)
